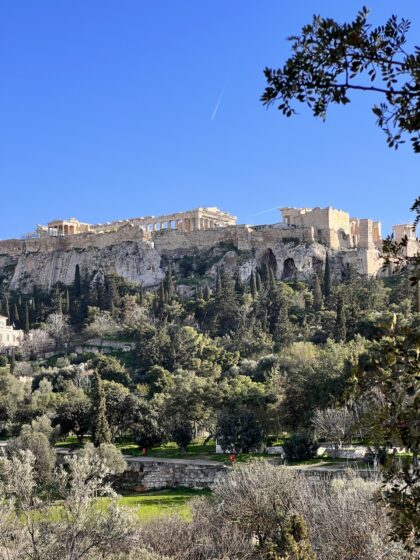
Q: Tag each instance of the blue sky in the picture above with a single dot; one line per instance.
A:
(106, 113)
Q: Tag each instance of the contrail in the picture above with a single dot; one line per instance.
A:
(266, 211)
(217, 106)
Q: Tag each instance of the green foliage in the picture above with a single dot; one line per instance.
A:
(327, 59)
(110, 369)
(100, 427)
(292, 541)
(240, 432)
(389, 376)
(300, 447)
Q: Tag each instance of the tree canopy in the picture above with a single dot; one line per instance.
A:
(331, 59)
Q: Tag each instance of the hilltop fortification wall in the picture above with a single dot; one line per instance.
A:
(143, 259)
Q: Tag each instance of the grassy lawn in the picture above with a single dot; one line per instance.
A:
(196, 451)
(152, 504)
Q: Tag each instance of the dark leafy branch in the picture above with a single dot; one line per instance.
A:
(331, 59)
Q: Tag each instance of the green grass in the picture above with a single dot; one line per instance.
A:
(322, 460)
(195, 451)
(152, 504)
(145, 506)
(71, 442)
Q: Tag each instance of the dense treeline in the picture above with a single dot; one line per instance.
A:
(241, 360)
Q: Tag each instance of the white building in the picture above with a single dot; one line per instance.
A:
(8, 335)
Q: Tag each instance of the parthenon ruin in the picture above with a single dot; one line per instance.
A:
(191, 220)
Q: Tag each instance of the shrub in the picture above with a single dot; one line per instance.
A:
(300, 447)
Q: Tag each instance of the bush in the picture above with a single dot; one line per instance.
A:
(300, 447)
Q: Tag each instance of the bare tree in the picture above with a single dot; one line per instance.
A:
(103, 325)
(58, 328)
(36, 343)
(335, 424)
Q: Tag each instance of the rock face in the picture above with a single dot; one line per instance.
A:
(43, 262)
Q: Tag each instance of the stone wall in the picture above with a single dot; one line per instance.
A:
(125, 251)
(145, 474)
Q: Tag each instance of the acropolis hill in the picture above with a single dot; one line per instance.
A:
(139, 249)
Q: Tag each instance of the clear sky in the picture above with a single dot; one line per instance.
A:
(106, 112)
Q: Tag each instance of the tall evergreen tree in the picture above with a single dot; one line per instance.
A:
(56, 302)
(225, 308)
(78, 308)
(7, 308)
(169, 284)
(100, 427)
(12, 360)
(283, 334)
(67, 302)
(112, 296)
(258, 281)
(141, 295)
(326, 288)
(206, 292)
(317, 294)
(253, 284)
(340, 321)
(16, 316)
(26, 317)
(77, 283)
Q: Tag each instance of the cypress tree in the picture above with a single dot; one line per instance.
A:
(7, 308)
(100, 427)
(12, 360)
(340, 321)
(55, 295)
(160, 300)
(77, 284)
(327, 278)
(258, 281)
(141, 295)
(112, 297)
(78, 309)
(169, 284)
(225, 304)
(206, 292)
(16, 317)
(26, 317)
(253, 284)
(198, 293)
(67, 302)
(317, 293)
(283, 329)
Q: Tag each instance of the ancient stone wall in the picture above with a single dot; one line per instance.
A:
(292, 251)
(145, 474)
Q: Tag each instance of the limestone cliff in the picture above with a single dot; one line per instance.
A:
(43, 262)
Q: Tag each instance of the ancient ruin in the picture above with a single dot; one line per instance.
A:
(335, 227)
(190, 220)
(139, 249)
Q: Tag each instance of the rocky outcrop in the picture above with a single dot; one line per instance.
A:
(43, 262)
